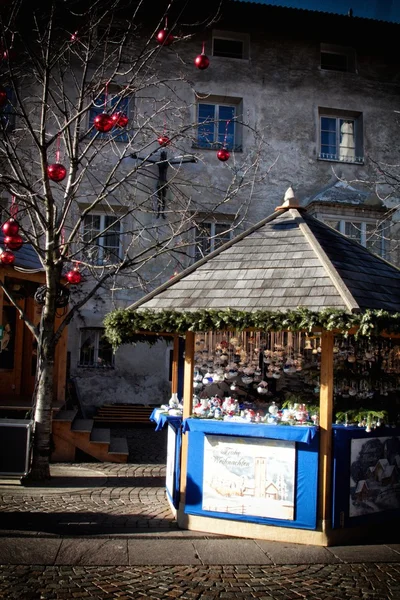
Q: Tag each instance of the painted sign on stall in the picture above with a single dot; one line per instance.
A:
(374, 475)
(249, 476)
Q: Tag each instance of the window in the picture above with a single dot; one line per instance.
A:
(94, 349)
(102, 234)
(211, 235)
(115, 103)
(229, 44)
(218, 125)
(372, 235)
(7, 112)
(337, 58)
(340, 137)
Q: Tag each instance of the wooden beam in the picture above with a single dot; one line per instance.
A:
(325, 427)
(187, 408)
(175, 364)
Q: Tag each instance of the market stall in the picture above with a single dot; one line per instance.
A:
(296, 327)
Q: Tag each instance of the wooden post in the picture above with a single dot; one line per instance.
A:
(187, 410)
(325, 426)
(175, 363)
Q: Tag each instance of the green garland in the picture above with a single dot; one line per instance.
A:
(124, 326)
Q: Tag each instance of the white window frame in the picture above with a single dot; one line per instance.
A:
(363, 225)
(217, 102)
(212, 238)
(99, 241)
(231, 36)
(96, 362)
(346, 116)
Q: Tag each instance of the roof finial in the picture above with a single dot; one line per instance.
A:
(289, 200)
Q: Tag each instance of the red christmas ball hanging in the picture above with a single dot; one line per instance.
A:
(164, 37)
(223, 154)
(10, 227)
(74, 277)
(3, 97)
(7, 257)
(103, 122)
(202, 61)
(13, 242)
(120, 119)
(163, 140)
(56, 172)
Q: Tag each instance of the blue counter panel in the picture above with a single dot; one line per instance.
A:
(294, 433)
(173, 467)
(366, 483)
(304, 505)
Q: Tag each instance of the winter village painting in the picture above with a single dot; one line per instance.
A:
(249, 476)
(374, 475)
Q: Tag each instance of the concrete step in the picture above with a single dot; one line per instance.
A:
(119, 446)
(82, 425)
(100, 436)
(65, 415)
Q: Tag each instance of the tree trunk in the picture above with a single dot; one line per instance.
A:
(43, 399)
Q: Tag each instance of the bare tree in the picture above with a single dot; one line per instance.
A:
(62, 65)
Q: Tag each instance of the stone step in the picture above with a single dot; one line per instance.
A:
(119, 446)
(82, 425)
(65, 415)
(100, 436)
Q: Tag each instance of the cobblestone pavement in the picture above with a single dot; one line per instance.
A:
(87, 502)
(310, 582)
(96, 497)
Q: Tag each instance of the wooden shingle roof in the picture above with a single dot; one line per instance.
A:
(288, 260)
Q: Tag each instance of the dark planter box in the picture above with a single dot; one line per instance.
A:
(15, 446)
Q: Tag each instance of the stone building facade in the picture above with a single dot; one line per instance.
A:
(309, 99)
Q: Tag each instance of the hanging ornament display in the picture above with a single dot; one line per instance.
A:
(119, 119)
(74, 276)
(163, 140)
(3, 97)
(10, 227)
(202, 61)
(13, 242)
(74, 37)
(7, 257)
(56, 171)
(164, 37)
(223, 154)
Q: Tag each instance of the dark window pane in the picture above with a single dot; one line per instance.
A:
(228, 48)
(226, 126)
(328, 124)
(206, 128)
(334, 62)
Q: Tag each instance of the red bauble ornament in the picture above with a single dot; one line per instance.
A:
(74, 277)
(163, 140)
(56, 172)
(202, 61)
(164, 38)
(3, 97)
(103, 122)
(223, 154)
(120, 119)
(10, 227)
(13, 242)
(7, 257)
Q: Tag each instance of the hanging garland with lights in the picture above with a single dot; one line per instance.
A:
(124, 326)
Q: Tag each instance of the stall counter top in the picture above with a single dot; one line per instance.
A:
(161, 418)
(294, 433)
